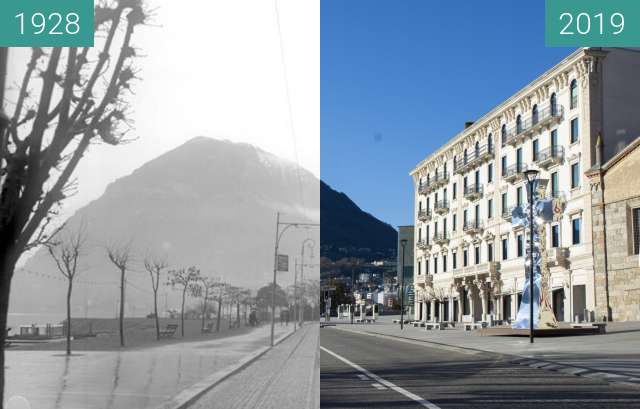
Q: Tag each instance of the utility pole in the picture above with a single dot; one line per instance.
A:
(4, 119)
(403, 243)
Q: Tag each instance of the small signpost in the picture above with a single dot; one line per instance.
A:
(283, 262)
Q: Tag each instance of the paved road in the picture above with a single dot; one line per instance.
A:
(286, 377)
(362, 371)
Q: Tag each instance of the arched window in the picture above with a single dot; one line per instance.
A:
(574, 94)
(477, 149)
(518, 124)
(534, 115)
(554, 104)
(503, 134)
(465, 156)
(455, 163)
(490, 143)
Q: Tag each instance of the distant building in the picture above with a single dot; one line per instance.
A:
(615, 191)
(406, 233)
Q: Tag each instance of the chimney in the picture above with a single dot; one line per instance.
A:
(468, 124)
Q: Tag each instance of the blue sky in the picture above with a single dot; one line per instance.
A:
(399, 78)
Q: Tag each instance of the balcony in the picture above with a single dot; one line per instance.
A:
(553, 155)
(506, 215)
(425, 279)
(557, 257)
(472, 227)
(490, 268)
(424, 215)
(439, 179)
(546, 116)
(473, 192)
(423, 245)
(423, 188)
(441, 238)
(441, 207)
(515, 173)
(473, 160)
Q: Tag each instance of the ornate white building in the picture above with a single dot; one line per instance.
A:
(469, 259)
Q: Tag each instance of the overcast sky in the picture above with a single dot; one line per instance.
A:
(213, 68)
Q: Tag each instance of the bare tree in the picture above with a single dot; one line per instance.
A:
(184, 278)
(154, 266)
(206, 289)
(66, 253)
(67, 99)
(221, 291)
(120, 256)
(245, 299)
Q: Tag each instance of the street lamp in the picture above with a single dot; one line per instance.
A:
(403, 243)
(531, 175)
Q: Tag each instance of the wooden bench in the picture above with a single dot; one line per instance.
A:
(169, 331)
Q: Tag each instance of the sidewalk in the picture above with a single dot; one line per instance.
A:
(138, 378)
(285, 377)
(614, 356)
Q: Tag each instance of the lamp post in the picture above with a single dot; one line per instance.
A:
(531, 176)
(279, 234)
(403, 243)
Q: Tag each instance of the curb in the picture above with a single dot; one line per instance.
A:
(192, 393)
(537, 363)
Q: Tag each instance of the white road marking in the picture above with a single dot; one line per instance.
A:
(362, 377)
(384, 382)
(378, 386)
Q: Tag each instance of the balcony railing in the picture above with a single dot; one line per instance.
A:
(490, 268)
(441, 207)
(423, 188)
(515, 173)
(557, 256)
(516, 134)
(506, 214)
(423, 245)
(553, 155)
(473, 192)
(473, 159)
(441, 238)
(425, 279)
(424, 215)
(472, 226)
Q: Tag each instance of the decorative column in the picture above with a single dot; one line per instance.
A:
(470, 300)
(433, 310)
(441, 314)
(451, 318)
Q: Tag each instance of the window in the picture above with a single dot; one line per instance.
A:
(477, 180)
(504, 203)
(419, 234)
(636, 230)
(520, 243)
(444, 263)
(574, 94)
(519, 196)
(505, 248)
(476, 255)
(455, 222)
(575, 231)
(465, 217)
(426, 266)
(554, 140)
(489, 251)
(465, 183)
(554, 104)
(575, 175)
(444, 194)
(455, 163)
(454, 260)
(490, 209)
(428, 234)
(476, 215)
(519, 124)
(419, 267)
(535, 149)
(519, 160)
(444, 226)
(477, 149)
(465, 258)
(465, 156)
(534, 115)
(503, 165)
(435, 265)
(490, 173)
(574, 130)
(455, 189)
(503, 135)
(554, 184)
(490, 143)
(555, 235)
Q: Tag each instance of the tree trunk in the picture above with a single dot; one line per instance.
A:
(7, 267)
(204, 310)
(69, 317)
(219, 314)
(122, 271)
(182, 312)
(155, 310)
(238, 314)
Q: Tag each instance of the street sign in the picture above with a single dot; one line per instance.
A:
(283, 262)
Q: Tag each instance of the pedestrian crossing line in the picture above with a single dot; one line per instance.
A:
(382, 381)
(378, 386)
(362, 377)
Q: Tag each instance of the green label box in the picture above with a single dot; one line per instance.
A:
(592, 23)
(46, 23)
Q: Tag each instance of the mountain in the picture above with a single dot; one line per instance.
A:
(347, 231)
(208, 203)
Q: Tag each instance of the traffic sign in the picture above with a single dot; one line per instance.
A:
(283, 262)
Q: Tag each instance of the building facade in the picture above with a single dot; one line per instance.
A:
(469, 260)
(616, 235)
